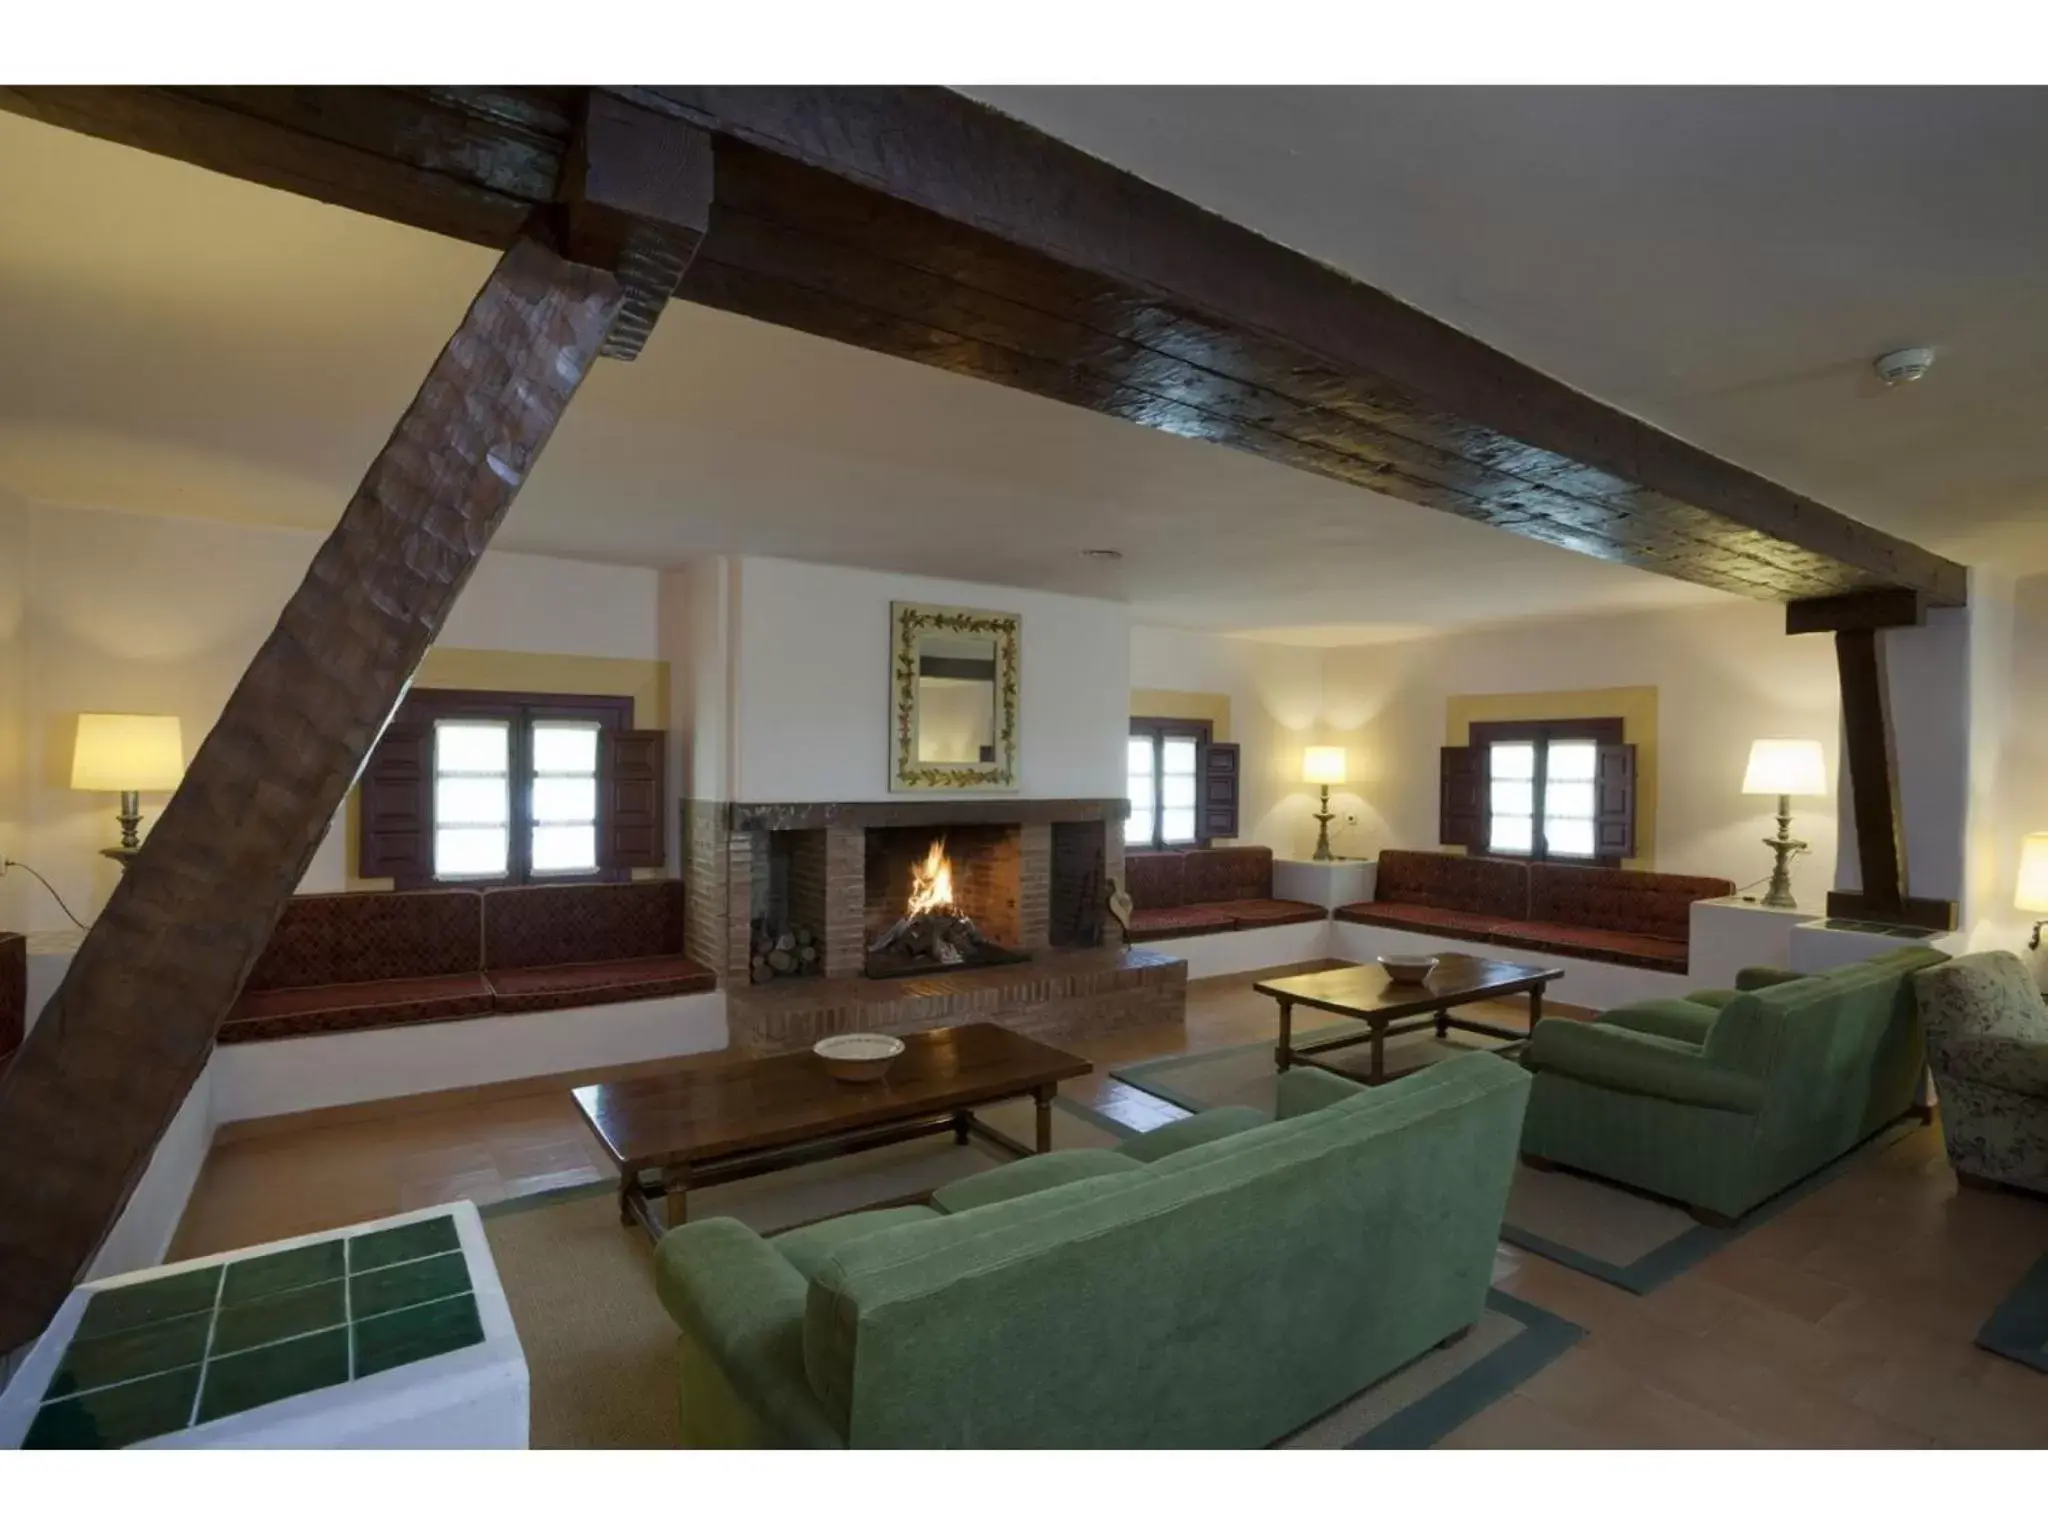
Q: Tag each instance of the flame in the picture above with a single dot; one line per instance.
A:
(931, 882)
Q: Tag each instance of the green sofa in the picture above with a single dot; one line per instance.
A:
(1722, 1098)
(1218, 1282)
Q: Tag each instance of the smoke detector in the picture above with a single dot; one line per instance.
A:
(1905, 366)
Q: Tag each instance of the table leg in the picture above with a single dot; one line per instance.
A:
(676, 1186)
(962, 1122)
(1281, 1052)
(1443, 1022)
(1379, 1053)
(1042, 1097)
(1535, 1005)
(628, 1182)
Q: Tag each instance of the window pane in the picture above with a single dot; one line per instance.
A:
(1511, 834)
(565, 746)
(1570, 760)
(464, 851)
(1512, 760)
(1179, 826)
(556, 849)
(472, 746)
(1178, 755)
(1568, 800)
(1568, 839)
(1513, 797)
(564, 800)
(1138, 830)
(471, 801)
(1179, 790)
(1138, 757)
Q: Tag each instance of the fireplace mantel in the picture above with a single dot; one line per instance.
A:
(983, 810)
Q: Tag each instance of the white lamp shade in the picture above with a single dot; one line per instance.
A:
(1323, 765)
(2032, 895)
(128, 752)
(1778, 767)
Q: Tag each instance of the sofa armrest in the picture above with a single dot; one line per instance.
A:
(1623, 1059)
(742, 1304)
(1669, 1018)
(1994, 1061)
(1304, 1090)
(1754, 978)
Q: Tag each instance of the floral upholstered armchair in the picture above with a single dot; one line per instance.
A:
(1987, 1042)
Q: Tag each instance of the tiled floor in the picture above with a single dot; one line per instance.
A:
(1847, 1321)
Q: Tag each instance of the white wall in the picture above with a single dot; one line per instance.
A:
(2008, 733)
(161, 616)
(811, 693)
(697, 602)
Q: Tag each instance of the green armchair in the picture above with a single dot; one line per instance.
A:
(1987, 1041)
(1721, 1099)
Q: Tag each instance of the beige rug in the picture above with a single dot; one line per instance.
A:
(600, 1351)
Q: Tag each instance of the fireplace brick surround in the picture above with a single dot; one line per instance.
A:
(1024, 869)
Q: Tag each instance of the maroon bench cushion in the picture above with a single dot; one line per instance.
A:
(1620, 900)
(1154, 880)
(1210, 876)
(1419, 919)
(600, 981)
(1179, 922)
(365, 936)
(1488, 887)
(1265, 912)
(1638, 949)
(281, 1012)
(13, 992)
(528, 926)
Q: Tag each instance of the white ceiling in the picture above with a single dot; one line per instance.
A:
(179, 343)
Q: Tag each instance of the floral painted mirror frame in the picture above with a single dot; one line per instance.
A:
(909, 625)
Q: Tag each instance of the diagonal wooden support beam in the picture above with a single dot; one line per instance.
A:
(114, 1054)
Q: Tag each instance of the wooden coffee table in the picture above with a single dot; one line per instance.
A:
(1368, 994)
(694, 1129)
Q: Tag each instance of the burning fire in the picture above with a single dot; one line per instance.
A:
(931, 882)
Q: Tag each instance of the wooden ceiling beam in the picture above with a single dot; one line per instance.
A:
(922, 224)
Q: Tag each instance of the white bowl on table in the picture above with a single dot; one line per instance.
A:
(1409, 970)
(858, 1058)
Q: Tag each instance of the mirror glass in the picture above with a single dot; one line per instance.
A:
(956, 699)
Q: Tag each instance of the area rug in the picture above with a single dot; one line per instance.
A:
(1614, 1234)
(600, 1351)
(2018, 1330)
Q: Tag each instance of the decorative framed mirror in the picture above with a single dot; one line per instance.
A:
(953, 698)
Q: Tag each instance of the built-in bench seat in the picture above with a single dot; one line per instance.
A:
(1621, 916)
(374, 959)
(1177, 895)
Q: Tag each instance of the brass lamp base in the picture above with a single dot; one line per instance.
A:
(1784, 845)
(1324, 817)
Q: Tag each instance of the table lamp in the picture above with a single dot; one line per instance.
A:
(1784, 769)
(1323, 766)
(127, 754)
(2032, 895)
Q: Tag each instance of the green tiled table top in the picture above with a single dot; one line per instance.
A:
(162, 1355)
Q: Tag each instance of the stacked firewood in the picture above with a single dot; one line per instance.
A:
(945, 935)
(784, 951)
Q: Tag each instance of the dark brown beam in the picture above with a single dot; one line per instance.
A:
(1867, 740)
(918, 223)
(117, 1049)
(1888, 608)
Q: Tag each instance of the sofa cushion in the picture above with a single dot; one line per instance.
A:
(1028, 1175)
(1265, 912)
(1179, 922)
(1674, 1018)
(280, 1013)
(365, 936)
(1193, 1131)
(1493, 887)
(1153, 880)
(526, 926)
(807, 1248)
(1620, 900)
(1636, 949)
(598, 981)
(1437, 920)
(1213, 875)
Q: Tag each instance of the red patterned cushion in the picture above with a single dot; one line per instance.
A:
(1154, 879)
(365, 936)
(539, 925)
(1414, 919)
(1211, 875)
(606, 981)
(284, 1012)
(1620, 900)
(13, 991)
(1492, 887)
(1644, 951)
(1179, 922)
(1264, 912)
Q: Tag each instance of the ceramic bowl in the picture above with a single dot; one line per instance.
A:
(858, 1058)
(1408, 969)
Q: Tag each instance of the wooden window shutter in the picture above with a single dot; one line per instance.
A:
(395, 816)
(1216, 815)
(632, 799)
(1461, 799)
(1614, 803)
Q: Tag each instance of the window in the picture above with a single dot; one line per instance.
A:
(514, 798)
(1542, 789)
(1181, 785)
